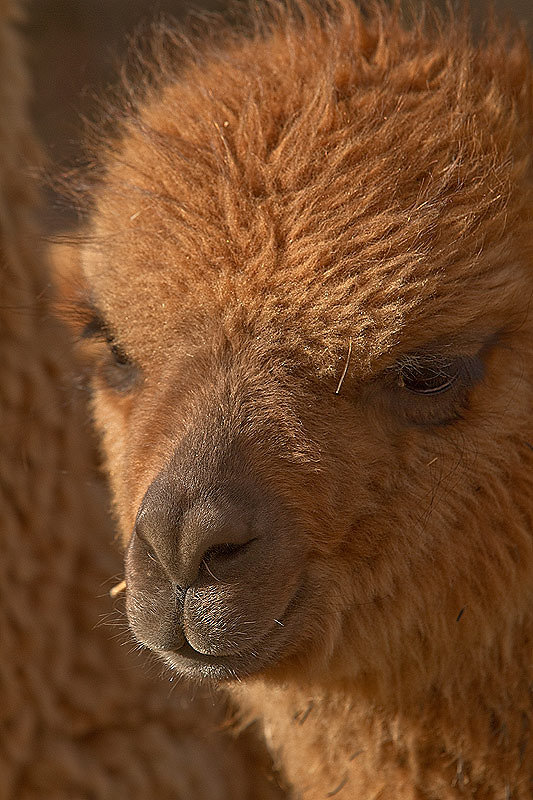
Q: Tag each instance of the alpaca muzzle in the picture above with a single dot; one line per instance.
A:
(211, 571)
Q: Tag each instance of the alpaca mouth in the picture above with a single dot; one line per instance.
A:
(193, 664)
(276, 643)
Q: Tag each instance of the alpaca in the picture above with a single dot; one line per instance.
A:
(304, 297)
(77, 718)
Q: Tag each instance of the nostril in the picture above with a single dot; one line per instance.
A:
(186, 536)
(148, 549)
(226, 550)
(222, 553)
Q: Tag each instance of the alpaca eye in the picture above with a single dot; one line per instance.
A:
(119, 356)
(428, 388)
(427, 379)
(117, 370)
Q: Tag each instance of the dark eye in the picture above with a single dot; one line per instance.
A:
(117, 370)
(429, 378)
(119, 356)
(431, 388)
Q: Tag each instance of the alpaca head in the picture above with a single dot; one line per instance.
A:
(308, 275)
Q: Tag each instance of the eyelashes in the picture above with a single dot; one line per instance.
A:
(117, 370)
(96, 328)
(104, 357)
(429, 389)
(434, 378)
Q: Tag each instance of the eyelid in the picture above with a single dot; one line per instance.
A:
(96, 328)
(448, 373)
(425, 408)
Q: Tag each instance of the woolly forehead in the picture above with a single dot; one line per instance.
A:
(382, 217)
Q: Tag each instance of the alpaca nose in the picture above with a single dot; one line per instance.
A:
(209, 532)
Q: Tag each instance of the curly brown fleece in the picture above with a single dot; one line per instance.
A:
(79, 716)
(288, 232)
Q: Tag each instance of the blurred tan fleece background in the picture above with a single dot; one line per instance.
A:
(75, 47)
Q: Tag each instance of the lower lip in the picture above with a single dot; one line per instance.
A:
(192, 664)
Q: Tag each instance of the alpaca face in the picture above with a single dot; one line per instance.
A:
(308, 304)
